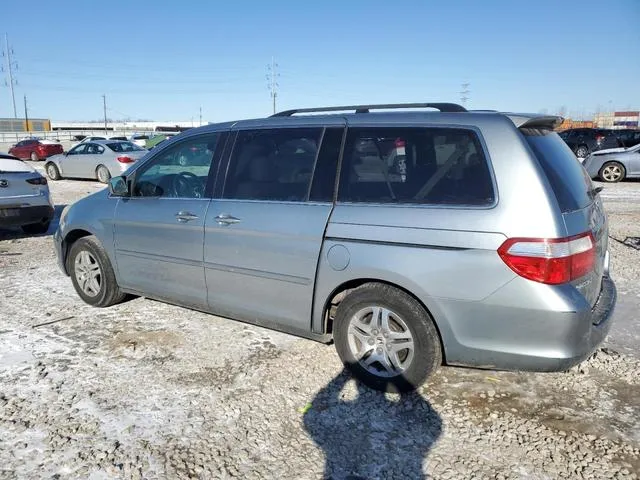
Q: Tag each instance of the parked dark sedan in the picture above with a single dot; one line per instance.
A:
(629, 138)
(583, 141)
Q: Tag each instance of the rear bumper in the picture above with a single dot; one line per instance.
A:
(511, 338)
(27, 215)
(43, 155)
(599, 324)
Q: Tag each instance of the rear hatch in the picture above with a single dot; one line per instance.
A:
(578, 200)
(15, 190)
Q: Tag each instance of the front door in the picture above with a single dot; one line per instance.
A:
(88, 163)
(634, 162)
(159, 229)
(263, 238)
(73, 161)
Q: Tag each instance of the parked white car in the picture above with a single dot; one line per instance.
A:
(100, 159)
(140, 139)
(24, 196)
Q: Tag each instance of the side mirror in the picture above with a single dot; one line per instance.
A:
(118, 187)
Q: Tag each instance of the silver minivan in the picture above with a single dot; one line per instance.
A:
(409, 238)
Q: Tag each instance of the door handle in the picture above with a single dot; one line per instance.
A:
(185, 216)
(225, 219)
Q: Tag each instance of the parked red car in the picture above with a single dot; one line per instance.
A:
(35, 149)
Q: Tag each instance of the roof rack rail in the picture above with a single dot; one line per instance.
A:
(443, 107)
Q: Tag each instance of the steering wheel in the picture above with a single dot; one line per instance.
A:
(186, 184)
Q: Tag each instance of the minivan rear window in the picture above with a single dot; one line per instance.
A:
(569, 180)
(415, 165)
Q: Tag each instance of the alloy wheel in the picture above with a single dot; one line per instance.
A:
(88, 273)
(611, 173)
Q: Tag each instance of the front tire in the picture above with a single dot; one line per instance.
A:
(102, 174)
(386, 338)
(612, 172)
(34, 157)
(92, 274)
(52, 171)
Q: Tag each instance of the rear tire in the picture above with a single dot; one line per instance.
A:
(102, 174)
(408, 338)
(34, 157)
(52, 171)
(582, 151)
(612, 172)
(92, 274)
(36, 228)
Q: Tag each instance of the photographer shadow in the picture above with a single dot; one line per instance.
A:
(371, 436)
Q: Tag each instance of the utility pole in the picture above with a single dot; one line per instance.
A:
(26, 115)
(200, 123)
(104, 107)
(272, 79)
(464, 93)
(10, 65)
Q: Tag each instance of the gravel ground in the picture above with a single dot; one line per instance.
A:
(148, 390)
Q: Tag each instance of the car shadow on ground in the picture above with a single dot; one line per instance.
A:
(17, 233)
(375, 435)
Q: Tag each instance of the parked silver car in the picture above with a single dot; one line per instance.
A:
(24, 196)
(101, 159)
(408, 238)
(615, 164)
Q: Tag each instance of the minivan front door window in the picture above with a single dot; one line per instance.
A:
(159, 228)
(178, 172)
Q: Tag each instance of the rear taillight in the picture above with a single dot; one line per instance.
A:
(37, 181)
(551, 261)
(125, 159)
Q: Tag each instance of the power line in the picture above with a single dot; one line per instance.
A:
(464, 93)
(11, 64)
(272, 79)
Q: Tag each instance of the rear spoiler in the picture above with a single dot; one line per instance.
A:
(544, 121)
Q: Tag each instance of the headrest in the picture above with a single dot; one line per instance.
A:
(262, 169)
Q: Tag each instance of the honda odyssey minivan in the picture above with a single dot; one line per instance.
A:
(409, 237)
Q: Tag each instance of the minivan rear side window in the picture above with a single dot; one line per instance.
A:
(441, 166)
(568, 179)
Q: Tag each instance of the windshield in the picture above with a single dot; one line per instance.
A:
(568, 178)
(124, 147)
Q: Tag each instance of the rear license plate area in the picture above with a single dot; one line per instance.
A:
(9, 212)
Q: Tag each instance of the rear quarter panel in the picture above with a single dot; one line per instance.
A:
(444, 255)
